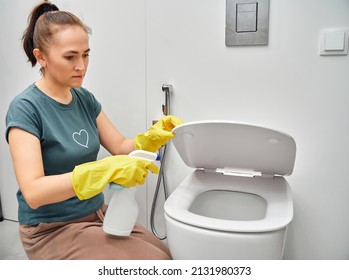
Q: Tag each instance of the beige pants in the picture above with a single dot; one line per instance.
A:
(84, 239)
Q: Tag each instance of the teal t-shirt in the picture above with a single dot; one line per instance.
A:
(68, 135)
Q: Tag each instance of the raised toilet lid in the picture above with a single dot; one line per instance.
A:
(231, 145)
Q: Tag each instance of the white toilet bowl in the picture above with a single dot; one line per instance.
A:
(216, 213)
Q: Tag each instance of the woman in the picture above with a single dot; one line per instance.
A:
(54, 129)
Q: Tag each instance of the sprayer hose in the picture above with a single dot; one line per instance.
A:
(161, 177)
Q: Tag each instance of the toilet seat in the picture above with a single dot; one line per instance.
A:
(235, 148)
(275, 191)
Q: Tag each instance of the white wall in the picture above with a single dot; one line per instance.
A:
(285, 85)
(15, 75)
(139, 45)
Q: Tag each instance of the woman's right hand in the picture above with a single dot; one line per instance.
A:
(89, 179)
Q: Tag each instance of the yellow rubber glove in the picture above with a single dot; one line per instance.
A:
(89, 179)
(157, 135)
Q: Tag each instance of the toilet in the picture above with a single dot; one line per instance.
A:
(236, 203)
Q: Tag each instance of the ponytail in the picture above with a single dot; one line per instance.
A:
(28, 36)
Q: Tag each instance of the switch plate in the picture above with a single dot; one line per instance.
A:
(247, 22)
(334, 41)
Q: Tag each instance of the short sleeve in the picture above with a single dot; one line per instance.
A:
(23, 114)
(97, 107)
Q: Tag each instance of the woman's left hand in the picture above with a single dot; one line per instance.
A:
(157, 135)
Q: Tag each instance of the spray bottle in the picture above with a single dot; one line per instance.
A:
(122, 212)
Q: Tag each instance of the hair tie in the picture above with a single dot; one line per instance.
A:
(46, 7)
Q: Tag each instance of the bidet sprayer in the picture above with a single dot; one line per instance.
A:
(167, 89)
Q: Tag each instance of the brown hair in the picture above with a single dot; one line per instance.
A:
(43, 23)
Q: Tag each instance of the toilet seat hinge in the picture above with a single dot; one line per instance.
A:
(267, 175)
(210, 170)
(237, 172)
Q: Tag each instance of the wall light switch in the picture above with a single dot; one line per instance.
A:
(334, 41)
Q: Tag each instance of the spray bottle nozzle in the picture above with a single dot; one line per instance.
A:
(145, 155)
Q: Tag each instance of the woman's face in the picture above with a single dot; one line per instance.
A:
(67, 57)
